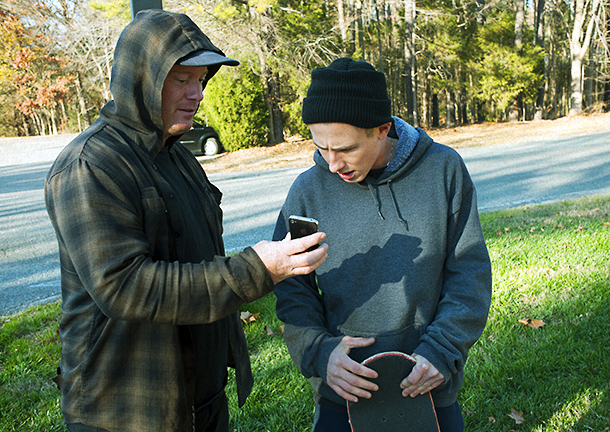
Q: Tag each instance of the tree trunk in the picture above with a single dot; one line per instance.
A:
(579, 44)
(576, 85)
(352, 40)
(26, 127)
(277, 125)
(519, 21)
(481, 18)
(435, 111)
(513, 113)
(271, 82)
(84, 114)
(64, 114)
(360, 30)
(39, 124)
(53, 124)
(606, 96)
(410, 83)
(449, 115)
(342, 24)
(271, 93)
(539, 29)
(463, 107)
(589, 80)
(379, 39)
(426, 102)
(552, 74)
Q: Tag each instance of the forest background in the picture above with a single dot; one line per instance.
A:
(447, 62)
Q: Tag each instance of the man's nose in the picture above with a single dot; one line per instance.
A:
(195, 92)
(335, 163)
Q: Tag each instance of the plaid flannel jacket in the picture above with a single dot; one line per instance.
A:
(132, 271)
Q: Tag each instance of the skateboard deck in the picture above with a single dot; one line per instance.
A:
(388, 410)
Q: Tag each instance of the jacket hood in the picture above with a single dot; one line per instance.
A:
(147, 49)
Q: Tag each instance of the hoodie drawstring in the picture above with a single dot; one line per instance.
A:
(396, 209)
(375, 194)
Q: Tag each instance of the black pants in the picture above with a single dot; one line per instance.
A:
(326, 420)
(213, 417)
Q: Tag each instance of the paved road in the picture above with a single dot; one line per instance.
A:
(505, 175)
(512, 175)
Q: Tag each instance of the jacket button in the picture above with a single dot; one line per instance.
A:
(171, 196)
(176, 234)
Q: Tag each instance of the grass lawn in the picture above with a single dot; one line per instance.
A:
(542, 364)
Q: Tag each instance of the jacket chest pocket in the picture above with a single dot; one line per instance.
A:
(156, 226)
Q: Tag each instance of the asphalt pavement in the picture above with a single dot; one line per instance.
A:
(507, 175)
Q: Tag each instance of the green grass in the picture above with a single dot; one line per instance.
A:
(550, 262)
(29, 356)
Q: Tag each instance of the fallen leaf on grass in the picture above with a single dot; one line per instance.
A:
(271, 332)
(491, 420)
(248, 317)
(517, 416)
(534, 323)
(607, 223)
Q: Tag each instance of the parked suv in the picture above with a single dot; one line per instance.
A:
(202, 140)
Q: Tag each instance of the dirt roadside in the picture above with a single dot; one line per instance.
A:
(297, 152)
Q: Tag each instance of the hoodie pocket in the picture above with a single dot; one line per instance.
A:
(404, 340)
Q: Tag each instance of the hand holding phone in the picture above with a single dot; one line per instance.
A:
(285, 258)
(301, 226)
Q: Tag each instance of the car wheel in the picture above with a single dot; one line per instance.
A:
(211, 146)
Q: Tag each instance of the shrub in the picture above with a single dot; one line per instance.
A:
(235, 107)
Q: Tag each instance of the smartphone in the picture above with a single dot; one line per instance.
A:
(301, 226)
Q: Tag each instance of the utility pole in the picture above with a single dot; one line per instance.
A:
(138, 5)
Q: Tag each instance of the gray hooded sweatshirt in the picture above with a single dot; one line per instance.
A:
(407, 264)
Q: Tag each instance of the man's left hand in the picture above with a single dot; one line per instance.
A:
(287, 258)
(423, 378)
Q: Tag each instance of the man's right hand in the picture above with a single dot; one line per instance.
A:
(347, 377)
(288, 258)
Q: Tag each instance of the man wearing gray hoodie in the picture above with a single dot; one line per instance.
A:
(149, 299)
(408, 269)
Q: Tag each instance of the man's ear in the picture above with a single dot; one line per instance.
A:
(383, 130)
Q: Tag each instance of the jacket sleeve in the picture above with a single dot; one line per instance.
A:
(300, 306)
(466, 288)
(104, 247)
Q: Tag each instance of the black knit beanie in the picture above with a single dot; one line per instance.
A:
(347, 91)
